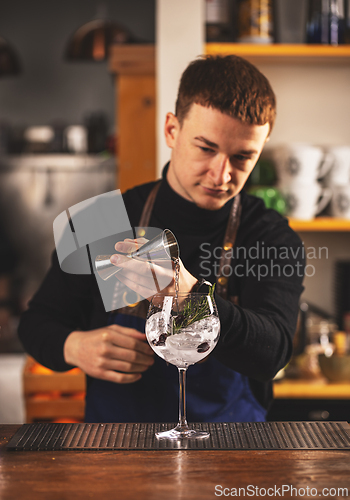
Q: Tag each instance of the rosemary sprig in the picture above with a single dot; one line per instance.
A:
(192, 312)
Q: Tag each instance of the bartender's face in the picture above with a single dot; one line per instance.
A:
(212, 155)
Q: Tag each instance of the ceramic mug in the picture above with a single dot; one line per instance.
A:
(340, 206)
(301, 164)
(76, 137)
(339, 175)
(304, 202)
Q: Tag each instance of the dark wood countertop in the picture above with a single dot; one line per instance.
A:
(159, 475)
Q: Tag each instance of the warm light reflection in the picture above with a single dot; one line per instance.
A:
(42, 370)
(99, 48)
(181, 469)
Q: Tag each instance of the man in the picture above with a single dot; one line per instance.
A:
(224, 115)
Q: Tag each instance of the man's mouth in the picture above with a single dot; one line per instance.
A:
(214, 191)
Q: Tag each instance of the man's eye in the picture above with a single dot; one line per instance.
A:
(206, 150)
(242, 158)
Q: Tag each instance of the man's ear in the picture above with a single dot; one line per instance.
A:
(171, 129)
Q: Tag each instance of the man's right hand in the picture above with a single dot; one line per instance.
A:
(114, 353)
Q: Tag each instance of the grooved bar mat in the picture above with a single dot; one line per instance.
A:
(223, 436)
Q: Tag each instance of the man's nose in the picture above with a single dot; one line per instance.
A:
(220, 171)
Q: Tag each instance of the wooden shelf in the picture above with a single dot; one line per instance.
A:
(320, 224)
(310, 389)
(293, 53)
(136, 59)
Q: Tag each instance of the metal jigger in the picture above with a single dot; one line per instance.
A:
(162, 247)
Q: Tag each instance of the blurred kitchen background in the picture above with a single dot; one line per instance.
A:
(75, 107)
(58, 132)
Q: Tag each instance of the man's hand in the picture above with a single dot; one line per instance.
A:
(114, 353)
(147, 278)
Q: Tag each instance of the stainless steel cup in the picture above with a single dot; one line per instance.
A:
(162, 247)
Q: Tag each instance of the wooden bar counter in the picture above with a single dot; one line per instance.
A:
(166, 475)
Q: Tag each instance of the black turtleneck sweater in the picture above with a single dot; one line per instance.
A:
(256, 334)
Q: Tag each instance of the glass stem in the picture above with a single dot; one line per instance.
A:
(182, 425)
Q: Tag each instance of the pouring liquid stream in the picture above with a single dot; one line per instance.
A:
(176, 279)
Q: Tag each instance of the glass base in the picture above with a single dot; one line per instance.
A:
(182, 434)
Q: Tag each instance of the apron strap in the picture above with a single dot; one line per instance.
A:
(228, 244)
(147, 209)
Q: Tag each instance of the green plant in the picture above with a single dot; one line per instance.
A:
(194, 310)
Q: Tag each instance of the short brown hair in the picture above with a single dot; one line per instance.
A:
(229, 84)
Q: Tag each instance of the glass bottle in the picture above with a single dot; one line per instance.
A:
(326, 22)
(218, 20)
(336, 22)
(255, 24)
(347, 22)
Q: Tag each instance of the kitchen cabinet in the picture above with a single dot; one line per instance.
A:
(135, 89)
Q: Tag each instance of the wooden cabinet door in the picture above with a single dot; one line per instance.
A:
(134, 67)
